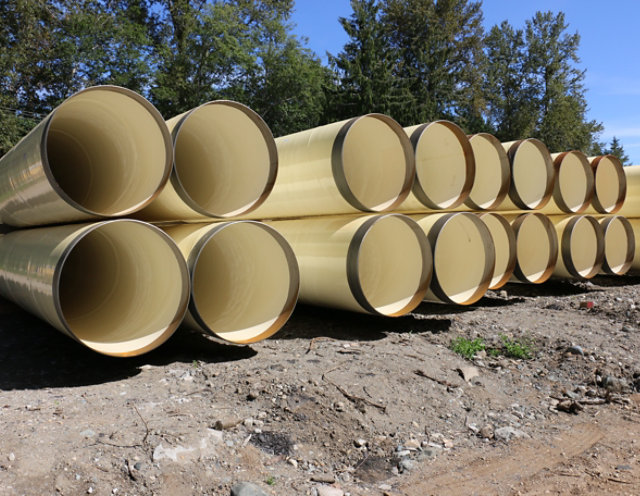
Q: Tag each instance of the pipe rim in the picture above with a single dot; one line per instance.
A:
(566, 247)
(513, 192)
(352, 265)
(294, 281)
(271, 149)
(470, 166)
(553, 247)
(511, 235)
(557, 193)
(631, 245)
(489, 257)
(622, 179)
(170, 328)
(505, 174)
(161, 126)
(340, 178)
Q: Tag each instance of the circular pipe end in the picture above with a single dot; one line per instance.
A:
(574, 183)
(582, 247)
(504, 241)
(121, 287)
(532, 173)
(537, 247)
(619, 245)
(491, 162)
(610, 189)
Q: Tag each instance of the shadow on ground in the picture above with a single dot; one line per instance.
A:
(616, 281)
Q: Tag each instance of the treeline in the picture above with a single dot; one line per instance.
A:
(416, 60)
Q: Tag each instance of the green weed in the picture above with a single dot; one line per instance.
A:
(467, 347)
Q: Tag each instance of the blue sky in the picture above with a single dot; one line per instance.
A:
(609, 50)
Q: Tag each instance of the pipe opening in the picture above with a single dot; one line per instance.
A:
(108, 151)
(583, 258)
(536, 248)
(463, 259)
(244, 283)
(225, 159)
(574, 183)
(504, 241)
(619, 245)
(532, 174)
(492, 178)
(445, 166)
(123, 288)
(376, 162)
(393, 271)
(610, 185)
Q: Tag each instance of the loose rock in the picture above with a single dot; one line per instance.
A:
(505, 434)
(329, 491)
(247, 489)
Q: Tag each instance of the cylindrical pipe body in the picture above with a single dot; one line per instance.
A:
(573, 185)
(363, 164)
(532, 175)
(504, 242)
(244, 278)
(225, 164)
(631, 205)
(581, 246)
(619, 244)
(120, 287)
(610, 186)
(378, 264)
(104, 152)
(463, 256)
(445, 167)
(536, 247)
(493, 173)
(635, 266)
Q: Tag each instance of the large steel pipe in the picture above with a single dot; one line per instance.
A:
(504, 242)
(363, 164)
(631, 205)
(610, 187)
(493, 175)
(119, 287)
(104, 152)
(225, 164)
(378, 264)
(619, 244)
(463, 257)
(536, 247)
(244, 278)
(573, 185)
(635, 266)
(532, 175)
(445, 167)
(581, 243)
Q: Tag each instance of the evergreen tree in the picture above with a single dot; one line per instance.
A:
(617, 149)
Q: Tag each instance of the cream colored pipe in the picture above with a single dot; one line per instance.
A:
(379, 264)
(119, 287)
(631, 206)
(619, 244)
(536, 247)
(493, 175)
(463, 256)
(532, 175)
(225, 164)
(363, 164)
(581, 241)
(573, 185)
(610, 187)
(504, 242)
(104, 152)
(635, 266)
(445, 167)
(244, 278)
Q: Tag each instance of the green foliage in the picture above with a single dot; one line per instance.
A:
(516, 348)
(616, 149)
(271, 480)
(467, 347)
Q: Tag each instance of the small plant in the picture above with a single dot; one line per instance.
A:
(467, 347)
(516, 348)
(196, 364)
(271, 480)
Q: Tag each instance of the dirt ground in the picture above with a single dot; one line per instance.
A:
(339, 403)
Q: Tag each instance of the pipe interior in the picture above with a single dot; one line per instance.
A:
(123, 287)
(242, 282)
(530, 173)
(390, 265)
(441, 164)
(573, 181)
(607, 184)
(492, 171)
(584, 247)
(459, 259)
(534, 248)
(618, 247)
(223, 159)
(107, 151)
(504, 246)
(374, 162)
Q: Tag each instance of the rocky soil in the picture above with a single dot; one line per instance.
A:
(340, 404)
